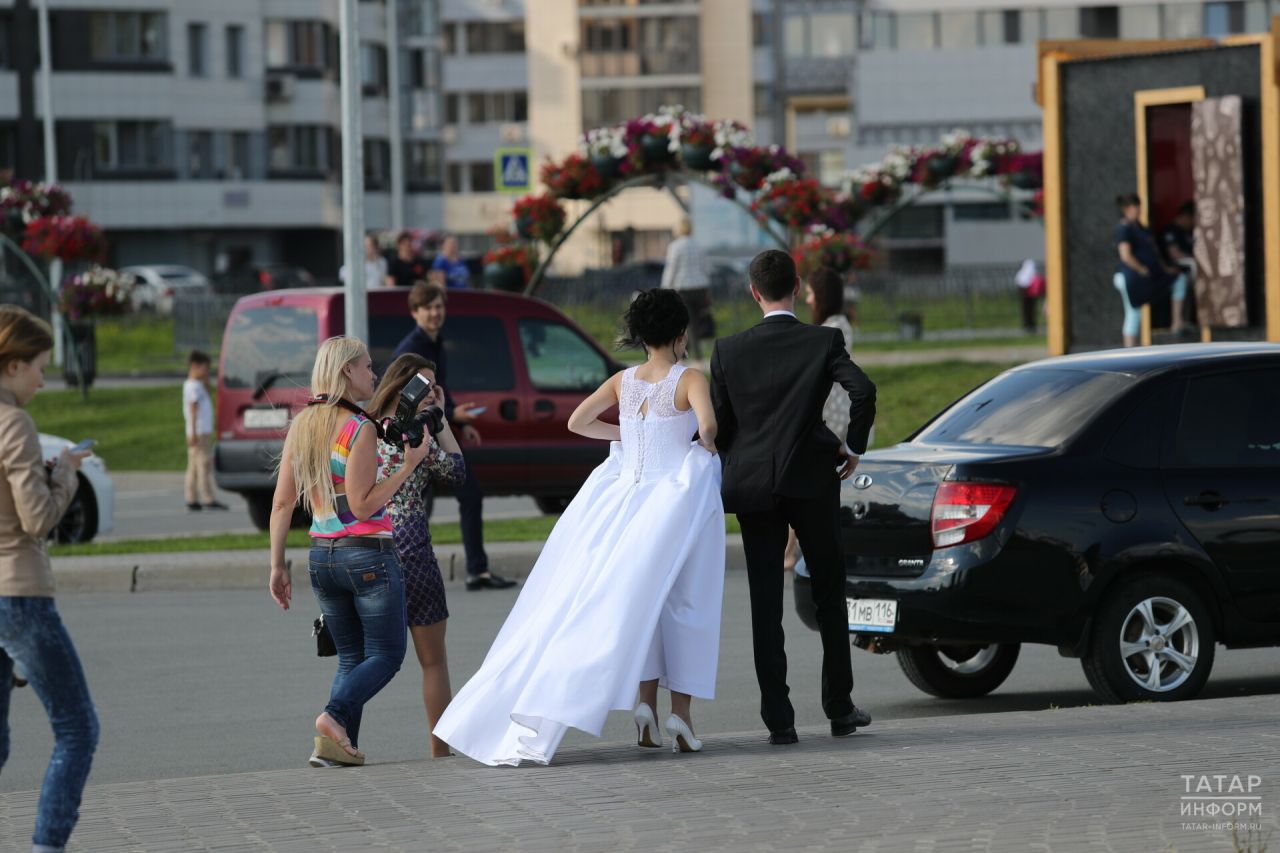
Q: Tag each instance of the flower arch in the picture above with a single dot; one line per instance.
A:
(822, 226)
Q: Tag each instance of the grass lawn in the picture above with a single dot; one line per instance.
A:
(139, 343)
(138, 429)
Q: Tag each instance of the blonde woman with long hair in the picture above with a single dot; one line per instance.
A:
(331, 463)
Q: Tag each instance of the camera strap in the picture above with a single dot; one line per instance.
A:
(341, 402)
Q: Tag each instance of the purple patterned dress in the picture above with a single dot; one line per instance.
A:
(423, 583)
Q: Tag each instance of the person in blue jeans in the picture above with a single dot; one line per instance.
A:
(330, 463)
(33, 498)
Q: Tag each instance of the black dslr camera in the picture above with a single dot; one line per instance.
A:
(408, 427)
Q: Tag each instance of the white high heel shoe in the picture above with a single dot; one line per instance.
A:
(647, 732)
(684, 739)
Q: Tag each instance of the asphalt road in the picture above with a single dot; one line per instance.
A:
(197, 683)
(150, 505)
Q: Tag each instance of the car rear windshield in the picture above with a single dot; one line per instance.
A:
(270, 347)
(1037, 407)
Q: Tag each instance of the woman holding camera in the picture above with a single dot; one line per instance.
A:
(33, 499)
(423, 583)
(331, 463)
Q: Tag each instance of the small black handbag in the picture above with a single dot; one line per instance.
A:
(324, 640)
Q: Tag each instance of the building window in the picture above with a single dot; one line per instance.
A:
(300, 148)
(958, 30)
(8, 147)
(1062, 23)
(235, 51)
(128, 36)
(130, 145)
(1223, 19)
(200, 154)
(876, 31)
(1140, 22)
(1100, 22)
(761, 29)
(1181, 20)
(916, 31)
(196, 34)
(1011, 26)
(495, 37)
(986, 211)
(832, 35)
(795, 36)
(453, 178)
(377, 163)
(238, 156)
(373, 69)
(422, 161)
(477, 108)
(424, 69)
(299, 45)
(1005, 27)
(5, 45)
(763, 100)
(481, 177)
(610, 106)
(451, 102)
(492, 107)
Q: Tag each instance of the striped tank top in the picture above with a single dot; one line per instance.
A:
(338, 520)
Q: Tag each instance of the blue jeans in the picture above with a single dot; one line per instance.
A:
(361, 594)
(31, 634)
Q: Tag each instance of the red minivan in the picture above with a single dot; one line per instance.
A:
(521, 358)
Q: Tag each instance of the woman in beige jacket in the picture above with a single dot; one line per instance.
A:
(33, 498)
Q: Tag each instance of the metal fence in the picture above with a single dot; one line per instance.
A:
(959, 303)
(199, 319)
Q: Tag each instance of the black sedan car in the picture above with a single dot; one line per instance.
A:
(1123, 506)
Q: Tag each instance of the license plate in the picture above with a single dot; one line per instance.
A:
(266, 418)
(877, 615)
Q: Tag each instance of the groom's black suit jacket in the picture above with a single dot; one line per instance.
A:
(768, 386)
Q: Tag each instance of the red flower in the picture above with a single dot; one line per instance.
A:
(71, 238)
(539, 217)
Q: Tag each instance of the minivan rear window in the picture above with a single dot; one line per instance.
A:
(1037, 407)
(275, 345)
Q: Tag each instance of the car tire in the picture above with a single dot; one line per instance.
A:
(958, 672)
(79, 523)
(552, 506)
(1137, 617)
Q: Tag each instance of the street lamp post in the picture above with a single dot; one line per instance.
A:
(50, 163)
(356, 300)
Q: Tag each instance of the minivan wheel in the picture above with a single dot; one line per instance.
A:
(80, 522)
(1153, 640)
(259, 509)
(958, 671)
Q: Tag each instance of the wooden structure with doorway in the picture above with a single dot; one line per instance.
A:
(1132, 116)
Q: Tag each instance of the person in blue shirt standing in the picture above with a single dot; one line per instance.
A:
(1142, 276)
(456, 273)
(427, 305)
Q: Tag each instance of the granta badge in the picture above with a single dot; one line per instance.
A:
(862, 481)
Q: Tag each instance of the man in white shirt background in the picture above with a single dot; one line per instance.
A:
(686, 273)
(375, 265)
(197, 415)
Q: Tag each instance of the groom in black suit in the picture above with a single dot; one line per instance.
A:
(783, 467)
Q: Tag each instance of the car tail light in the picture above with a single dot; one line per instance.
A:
(966, 512)
(264, 278)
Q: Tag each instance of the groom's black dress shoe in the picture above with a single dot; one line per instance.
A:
(783, 737)
(847, 725)
(490, 581)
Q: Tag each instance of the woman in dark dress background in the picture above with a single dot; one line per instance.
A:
(1142, 275)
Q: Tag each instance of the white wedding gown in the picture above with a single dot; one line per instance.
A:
(628, 588)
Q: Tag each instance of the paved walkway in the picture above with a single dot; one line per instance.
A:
(1097, 778)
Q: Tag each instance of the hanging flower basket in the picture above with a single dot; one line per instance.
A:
(23, 202)
(97, 292)
(539, 217)
(71, 238)
(577, 177)
(697, 157)
(843, 253)
(508, 267)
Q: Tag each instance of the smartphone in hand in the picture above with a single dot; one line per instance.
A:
(86, 445)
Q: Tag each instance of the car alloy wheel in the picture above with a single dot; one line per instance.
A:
(1159, 644)
(1152, 639)
(958, 671)
(967, 660)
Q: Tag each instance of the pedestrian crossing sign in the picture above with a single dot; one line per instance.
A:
(511, 170)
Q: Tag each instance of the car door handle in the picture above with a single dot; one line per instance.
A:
(1208, 500)
(509, 409)
(544, 410)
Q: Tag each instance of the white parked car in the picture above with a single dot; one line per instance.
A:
(92, 511)
(157, 286)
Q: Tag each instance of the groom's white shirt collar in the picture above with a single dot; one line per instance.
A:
(779, 313)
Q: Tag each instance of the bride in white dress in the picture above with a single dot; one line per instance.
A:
(628, 588)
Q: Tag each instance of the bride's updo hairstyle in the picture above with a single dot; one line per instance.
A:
(655, 318)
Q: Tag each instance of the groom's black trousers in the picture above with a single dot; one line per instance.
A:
(764, 537)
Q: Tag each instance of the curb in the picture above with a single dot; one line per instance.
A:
(185, 571)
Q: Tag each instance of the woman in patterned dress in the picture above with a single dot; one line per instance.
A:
(423, 584)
